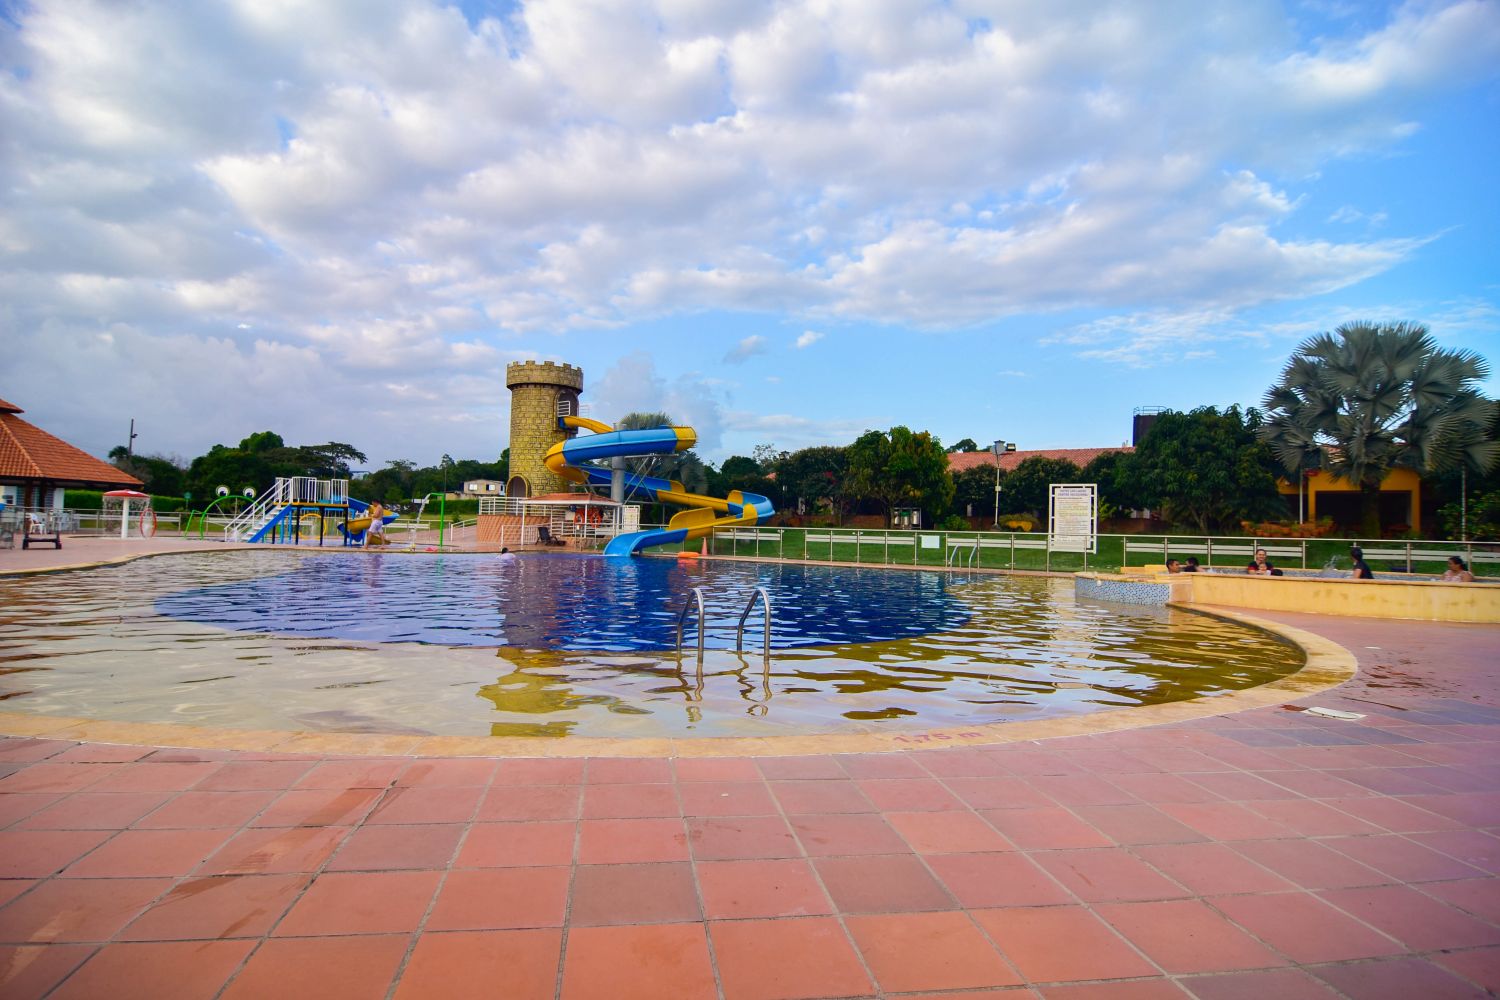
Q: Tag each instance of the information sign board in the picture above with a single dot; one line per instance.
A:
(1073, 517)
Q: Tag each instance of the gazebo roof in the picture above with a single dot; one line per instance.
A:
(29, 453)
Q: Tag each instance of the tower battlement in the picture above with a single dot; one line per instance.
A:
(563, 376)
(540, 391)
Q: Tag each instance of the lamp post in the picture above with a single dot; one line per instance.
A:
(998, 449)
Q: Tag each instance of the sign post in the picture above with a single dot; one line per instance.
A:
(1073, 518)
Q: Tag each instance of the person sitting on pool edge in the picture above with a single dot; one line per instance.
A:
(1361, 569)
(1260, 566)
(1458, 571)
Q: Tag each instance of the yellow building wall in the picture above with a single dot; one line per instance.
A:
(1396, 481)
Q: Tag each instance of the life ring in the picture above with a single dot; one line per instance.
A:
(687, 555)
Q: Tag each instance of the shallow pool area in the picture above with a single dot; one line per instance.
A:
(562, 645)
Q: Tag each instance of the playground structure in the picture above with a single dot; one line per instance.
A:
(301, 506)
(573, 460)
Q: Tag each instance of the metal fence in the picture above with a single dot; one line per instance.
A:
(1030, 550)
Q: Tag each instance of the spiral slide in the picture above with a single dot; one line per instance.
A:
(572, 460)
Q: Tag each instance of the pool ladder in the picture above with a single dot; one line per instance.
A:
(696, 601)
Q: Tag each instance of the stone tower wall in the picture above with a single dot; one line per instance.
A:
(535, 390)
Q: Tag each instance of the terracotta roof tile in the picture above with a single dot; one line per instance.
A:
(959, 461)
(28, 452)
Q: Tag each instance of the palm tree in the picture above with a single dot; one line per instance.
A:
(1369, 398)
(684, 466)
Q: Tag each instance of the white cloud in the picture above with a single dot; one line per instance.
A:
(633, 385)
(808, 338)
(392, 190)
(746, 349)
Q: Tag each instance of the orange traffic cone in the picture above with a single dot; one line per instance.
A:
(705, 547)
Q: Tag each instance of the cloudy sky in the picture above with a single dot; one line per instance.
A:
(782, 222)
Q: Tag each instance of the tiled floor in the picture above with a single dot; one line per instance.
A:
(1265, 854)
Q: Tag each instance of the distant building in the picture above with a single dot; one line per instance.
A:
(960, 461)
(484, 488)
(1341, 501)
(36, 467)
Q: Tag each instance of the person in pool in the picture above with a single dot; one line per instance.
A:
(1458, 571)
(1259, 566)
(1191, 566)
(506, 555)
(1361, 569)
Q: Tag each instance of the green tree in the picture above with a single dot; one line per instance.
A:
(815, 477)
(1025, 489)
(1369, 398)
(966, 445)
(740, 467)
(1205, 470)
(262, 441)
(1110, 472)
(684, 467)
(974, 487)
(329, 461)
(392, 484)
(161, 476)
(900, 468)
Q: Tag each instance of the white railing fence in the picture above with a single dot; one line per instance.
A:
(1025, 550)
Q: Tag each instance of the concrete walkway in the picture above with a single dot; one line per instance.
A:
(86, 550)
(1270, 853)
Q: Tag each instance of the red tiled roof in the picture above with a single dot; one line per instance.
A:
(27, 452)
(959, 461)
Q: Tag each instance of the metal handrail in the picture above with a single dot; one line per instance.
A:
(682, 616)
(739, 634)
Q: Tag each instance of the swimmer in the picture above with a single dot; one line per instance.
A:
(506, 555)
(1458, 571)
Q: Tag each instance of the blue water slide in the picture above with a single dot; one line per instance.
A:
(574, 460)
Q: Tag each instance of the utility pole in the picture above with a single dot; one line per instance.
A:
(130, 442)
(997, 449)
(1463, 503)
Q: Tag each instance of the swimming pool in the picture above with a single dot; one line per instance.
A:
(556, 645)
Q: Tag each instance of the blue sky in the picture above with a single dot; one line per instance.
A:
(783, 223)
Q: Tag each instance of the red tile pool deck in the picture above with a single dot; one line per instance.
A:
(1265, 853)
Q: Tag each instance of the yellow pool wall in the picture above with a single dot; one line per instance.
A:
(1418, 600)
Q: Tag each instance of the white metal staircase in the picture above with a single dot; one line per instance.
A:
(287, 491)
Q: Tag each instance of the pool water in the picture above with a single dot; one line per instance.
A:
(568, 602)
(557, 645)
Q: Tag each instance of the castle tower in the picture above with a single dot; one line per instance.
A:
(539, 394)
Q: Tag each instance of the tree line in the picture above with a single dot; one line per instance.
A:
(1354, 404)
